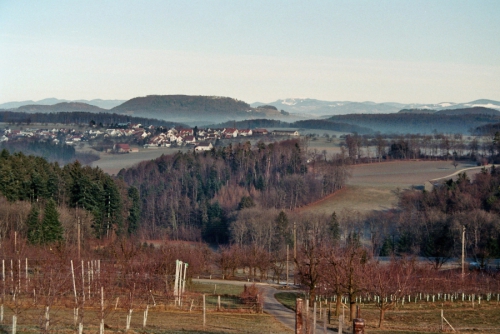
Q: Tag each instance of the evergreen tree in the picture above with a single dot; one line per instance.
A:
(34, 227)
(52, 230)
(134, 211)
(334, 228)
(282, 233)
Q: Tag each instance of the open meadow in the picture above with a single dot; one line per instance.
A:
(375, 186)
(113, 163)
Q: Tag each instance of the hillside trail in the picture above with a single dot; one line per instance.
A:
(271, 305)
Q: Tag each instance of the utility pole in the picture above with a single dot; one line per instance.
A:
(294, 241)
(463, 251)
(294, 249)
(79, 240)
(286, 266)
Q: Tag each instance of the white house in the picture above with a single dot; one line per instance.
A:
(204, 146)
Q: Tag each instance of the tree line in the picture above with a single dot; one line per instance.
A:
(111, 205)
(186, 194)
(80, 117)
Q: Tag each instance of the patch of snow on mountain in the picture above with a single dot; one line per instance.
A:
(445, 104)
(289, 102)
(489, 105)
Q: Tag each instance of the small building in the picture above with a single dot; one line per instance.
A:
(204, 146)
(189, 139)
(245, 132)
(260, 132)
(230, 133)
(121, 148)
(285, 133)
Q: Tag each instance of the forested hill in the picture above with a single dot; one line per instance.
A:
(80, 118)
(305, 124)
(417, 123)
(60, 107)
(187, 108)
(460, 111)
(188, 193)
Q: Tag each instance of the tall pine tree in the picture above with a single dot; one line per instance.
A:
(34, 226)
(51, 226)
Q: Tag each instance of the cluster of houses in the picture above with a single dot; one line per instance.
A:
(149, 137)
(55, 136)
(202, 139)
(71, 136)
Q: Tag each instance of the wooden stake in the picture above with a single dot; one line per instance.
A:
(47, 318)
(101, 329)
(74, 283)
(145, 317)
(298, 316)
(129, 318)
(204, 312)
(14, 324)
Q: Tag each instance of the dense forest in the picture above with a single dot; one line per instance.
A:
(78, 117)
(430, 223)
(108, 204)
(306, 124)
(184, 196)
(417, 123)
(61, 153)
(186, 193)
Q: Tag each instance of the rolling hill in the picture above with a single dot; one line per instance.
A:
(201, 109)
(60, 107)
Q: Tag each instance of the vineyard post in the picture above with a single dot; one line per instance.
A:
(204, 312)
(298, 316)
(101, 327)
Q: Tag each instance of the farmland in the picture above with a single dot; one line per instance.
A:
(375, 186)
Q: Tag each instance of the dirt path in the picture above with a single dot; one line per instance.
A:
(271, 305)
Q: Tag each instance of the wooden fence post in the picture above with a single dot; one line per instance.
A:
(298, 316)
(204, 312)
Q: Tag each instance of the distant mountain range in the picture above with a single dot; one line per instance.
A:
(318, 108)
(104, 104)
(361, 117)
(195, 109)
(458, 111)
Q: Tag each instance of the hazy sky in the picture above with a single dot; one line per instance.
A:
(403, 51)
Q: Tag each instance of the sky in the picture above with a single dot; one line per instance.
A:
(383, 51)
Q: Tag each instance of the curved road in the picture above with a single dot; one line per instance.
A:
(271, 304)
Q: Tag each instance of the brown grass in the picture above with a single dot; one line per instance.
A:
(374, 186)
